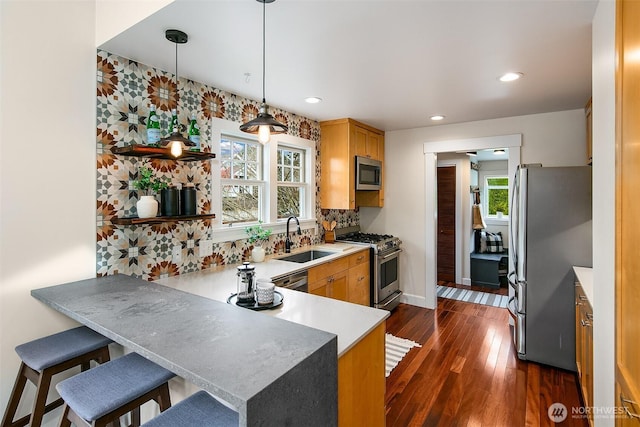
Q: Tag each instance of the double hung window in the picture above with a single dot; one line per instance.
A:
(496, 197)
(291, 182)
(242, 180)
(253, 182)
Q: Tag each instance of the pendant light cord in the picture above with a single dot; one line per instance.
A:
(177, 91)
(264, 11)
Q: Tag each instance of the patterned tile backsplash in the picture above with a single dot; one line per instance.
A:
(126, 90)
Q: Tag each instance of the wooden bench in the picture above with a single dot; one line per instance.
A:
(486, 268)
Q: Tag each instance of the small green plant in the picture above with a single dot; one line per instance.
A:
(256, 233)
(148, 182)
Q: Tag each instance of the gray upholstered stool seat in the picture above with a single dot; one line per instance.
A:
(200, 410)
(44, 357)
(108, 391)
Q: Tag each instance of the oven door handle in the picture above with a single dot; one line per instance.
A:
(394, 253)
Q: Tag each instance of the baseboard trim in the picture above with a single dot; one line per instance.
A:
(466, 281)
(416, 300)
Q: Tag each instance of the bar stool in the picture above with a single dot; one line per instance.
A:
(103, 394)
(45, 357)
(200, 410)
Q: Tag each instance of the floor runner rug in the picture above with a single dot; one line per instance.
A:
(396, 349)
(476, 297)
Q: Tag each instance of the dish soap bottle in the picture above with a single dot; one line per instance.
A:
(153, 127)
(194, 132)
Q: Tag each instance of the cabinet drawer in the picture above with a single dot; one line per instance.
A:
(359, 258)
(359, 284)
(327, 269)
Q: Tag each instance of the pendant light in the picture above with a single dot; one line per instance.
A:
(175, 140)
(263, 125)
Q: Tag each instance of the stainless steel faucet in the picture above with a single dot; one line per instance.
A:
(287, 242)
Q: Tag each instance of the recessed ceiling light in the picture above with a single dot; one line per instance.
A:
(313, 100)
(472, 153)
(437, 117)
(498, 151)
(509, 77)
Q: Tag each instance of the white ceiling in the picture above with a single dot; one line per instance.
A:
(390, 64)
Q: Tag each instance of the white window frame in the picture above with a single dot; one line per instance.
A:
(260, 183)
(269, 214)
(485, 193)
(303, 184)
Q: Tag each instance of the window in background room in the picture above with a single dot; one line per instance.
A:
(292, 185)
(242, 180)
(496, 196)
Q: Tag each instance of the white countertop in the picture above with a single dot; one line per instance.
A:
(585, 277)
(350, 322)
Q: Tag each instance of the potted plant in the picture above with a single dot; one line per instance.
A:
(147, 205)
(257, 235)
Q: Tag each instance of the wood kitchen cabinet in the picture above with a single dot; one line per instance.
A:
(584, 346)
(627, 291)
(359, 291)
(330, 279)
(345, 278)
(342, 140)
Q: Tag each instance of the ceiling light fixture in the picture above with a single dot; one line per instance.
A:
(264, 125)
(175, 140)
(313, 100)
(510, 77)
(498, 151)
(437, 117)
(472, 153)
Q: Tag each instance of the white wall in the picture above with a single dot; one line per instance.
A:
(603, 72)
(47, 164)
(553, 139)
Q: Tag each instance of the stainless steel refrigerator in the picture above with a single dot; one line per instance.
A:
(550, 232)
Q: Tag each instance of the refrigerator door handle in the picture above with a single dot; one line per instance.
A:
(518, 328)
(511, 307)
(512, 281)
(521, 297)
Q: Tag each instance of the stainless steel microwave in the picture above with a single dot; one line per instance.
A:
(368, 173)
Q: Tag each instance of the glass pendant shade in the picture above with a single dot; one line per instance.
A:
(264, 125)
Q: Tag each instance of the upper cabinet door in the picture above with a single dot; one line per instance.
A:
(367, 143)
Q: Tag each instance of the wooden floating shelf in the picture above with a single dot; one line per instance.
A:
(134, 220)
(139, 150)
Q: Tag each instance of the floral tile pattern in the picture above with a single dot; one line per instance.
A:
(125, 92)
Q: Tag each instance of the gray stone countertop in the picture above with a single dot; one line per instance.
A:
(350, 322)
(233, 353)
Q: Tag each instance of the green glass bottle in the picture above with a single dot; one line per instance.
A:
(194, 132)
(174, 126)
(153, 127)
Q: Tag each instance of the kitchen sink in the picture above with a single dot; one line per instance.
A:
(306, 256)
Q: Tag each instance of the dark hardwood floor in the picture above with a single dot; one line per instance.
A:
(467, 373)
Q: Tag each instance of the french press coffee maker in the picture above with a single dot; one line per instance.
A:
(246, 277)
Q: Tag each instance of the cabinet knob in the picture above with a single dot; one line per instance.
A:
(361, 278)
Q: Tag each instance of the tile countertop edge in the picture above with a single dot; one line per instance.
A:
(218, 283)
(585, 277)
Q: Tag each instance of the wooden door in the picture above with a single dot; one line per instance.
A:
(447, 223)
(627, 212)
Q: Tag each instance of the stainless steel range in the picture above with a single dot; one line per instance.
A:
(385, 258)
